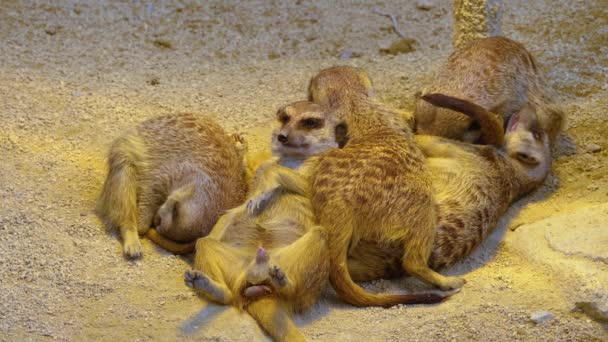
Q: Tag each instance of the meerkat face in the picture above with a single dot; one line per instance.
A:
(526, 142)
(303, 129)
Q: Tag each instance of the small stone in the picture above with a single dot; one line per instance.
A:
(154, 81)
(350, 54)
(540, 317)
(424, 5)
(593, 187)
(593, 148)
(400, 46)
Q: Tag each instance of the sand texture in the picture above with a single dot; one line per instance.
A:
(74, 75)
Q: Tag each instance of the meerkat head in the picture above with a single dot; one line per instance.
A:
(528, 143)
(183, 213)
(332, 85)
(305, 129)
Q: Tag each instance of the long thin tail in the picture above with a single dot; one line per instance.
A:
(179, 248)
(492, 126)
(355, 295)
(275, 319)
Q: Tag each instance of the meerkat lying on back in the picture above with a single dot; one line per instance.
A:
(178, 173)
(376, 188)
(473, 185)
(496, 73)
(268, 256)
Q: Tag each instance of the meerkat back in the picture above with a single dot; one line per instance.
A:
(190, 144)
(496, 73)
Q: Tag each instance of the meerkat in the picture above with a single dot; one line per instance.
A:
(473, 184)
(496, 73)
(376, 188)
(176, 172)
(268, 256)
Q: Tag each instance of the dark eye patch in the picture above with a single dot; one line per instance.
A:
(311, 123)
(537, 134)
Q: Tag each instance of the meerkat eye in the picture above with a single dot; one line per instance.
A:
(311, 123)
(537, 134)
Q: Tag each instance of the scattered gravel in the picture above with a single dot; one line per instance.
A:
(75, 74)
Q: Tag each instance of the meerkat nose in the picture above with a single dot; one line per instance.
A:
(282, 138)
(261, 256)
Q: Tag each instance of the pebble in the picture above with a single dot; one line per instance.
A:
(593, 148)
(540, 317)
(424, 5)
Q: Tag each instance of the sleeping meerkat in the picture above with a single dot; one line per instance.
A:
(377, 188)
(473, 184)
(176, 172)
(496, 73)
(268, 256)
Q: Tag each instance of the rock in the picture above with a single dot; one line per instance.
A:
(424, 5)
(593, 187)
(593, 148)
(540, 317)
(350, 54)
(404, 45)
(572, 247)
(592, 310)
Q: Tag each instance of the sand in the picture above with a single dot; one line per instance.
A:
(74, 75)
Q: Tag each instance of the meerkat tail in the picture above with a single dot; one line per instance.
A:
(492, 126)
(179, 248)
(274, 319)
(355, 295)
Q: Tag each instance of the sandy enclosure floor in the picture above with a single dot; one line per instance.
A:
(73, 76)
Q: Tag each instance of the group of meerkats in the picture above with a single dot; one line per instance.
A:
(349, 194)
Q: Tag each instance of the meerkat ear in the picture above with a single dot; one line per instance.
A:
(341, 132)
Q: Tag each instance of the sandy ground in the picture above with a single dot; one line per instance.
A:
(73, 76)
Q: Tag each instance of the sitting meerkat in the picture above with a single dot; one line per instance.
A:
(473, 184)
(496, 73)
(377, 188)
(176, 172)
(268, 256)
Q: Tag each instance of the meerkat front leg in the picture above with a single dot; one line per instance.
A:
(275, 177)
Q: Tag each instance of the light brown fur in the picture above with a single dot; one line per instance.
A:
(268, 256)
(474, 186)
(176, 172)
(496, 73)
(377, 188)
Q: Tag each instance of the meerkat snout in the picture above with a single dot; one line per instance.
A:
(282, 138)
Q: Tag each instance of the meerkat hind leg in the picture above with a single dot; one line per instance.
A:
(415, 262)
(220, 265)
(211, 289)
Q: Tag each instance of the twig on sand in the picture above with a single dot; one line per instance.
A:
(393, 19)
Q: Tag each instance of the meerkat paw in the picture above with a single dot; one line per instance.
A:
(278, 277)
(256, 204)
(197, 280)
(239, 142)
(132, 249)
(452, 283)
